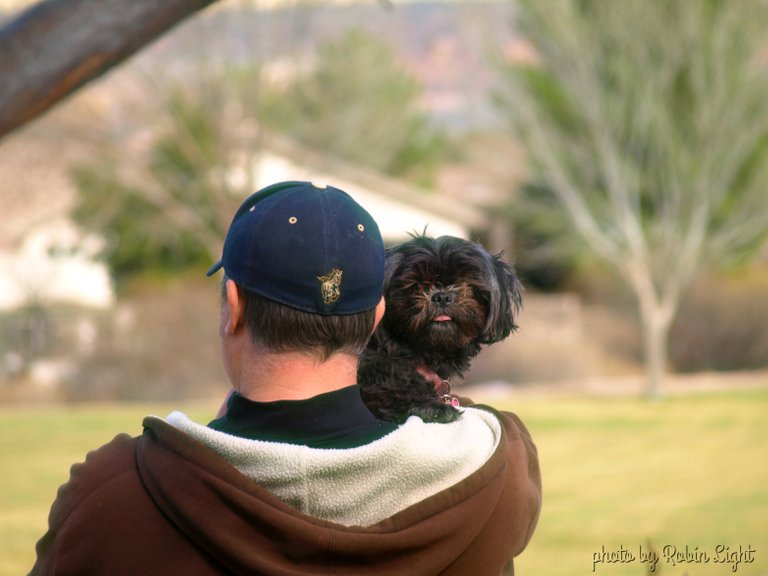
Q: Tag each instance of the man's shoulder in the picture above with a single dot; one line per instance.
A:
(113, 457)
(101, 467)
(513, 426)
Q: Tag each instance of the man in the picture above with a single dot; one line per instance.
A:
(296, 476)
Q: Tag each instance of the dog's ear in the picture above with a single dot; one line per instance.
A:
(505, 300)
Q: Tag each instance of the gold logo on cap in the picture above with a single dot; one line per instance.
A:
(330, 286)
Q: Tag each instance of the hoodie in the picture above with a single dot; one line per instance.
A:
(184, 499)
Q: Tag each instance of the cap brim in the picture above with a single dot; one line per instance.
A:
(215, 268)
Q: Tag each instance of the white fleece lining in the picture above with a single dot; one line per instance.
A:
(364, 485)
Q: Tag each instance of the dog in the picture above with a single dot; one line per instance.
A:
(445, 298)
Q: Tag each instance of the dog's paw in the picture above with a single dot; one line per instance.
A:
(437, 412)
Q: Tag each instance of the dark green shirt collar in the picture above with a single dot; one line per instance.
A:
(336, 419)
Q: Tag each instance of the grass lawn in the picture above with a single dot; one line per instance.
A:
(37, 448)
(619, 474)
(622, 473)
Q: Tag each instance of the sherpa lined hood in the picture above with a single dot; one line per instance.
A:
(363, 485)
(165, 503)
(470, 528)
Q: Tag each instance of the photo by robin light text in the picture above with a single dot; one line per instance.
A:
(731, 557)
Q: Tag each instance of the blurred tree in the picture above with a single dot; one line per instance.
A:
(548, 254)
(164, 197)
(647, 121)
(359, 103)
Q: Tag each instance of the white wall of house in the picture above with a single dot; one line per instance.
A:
(54, 263)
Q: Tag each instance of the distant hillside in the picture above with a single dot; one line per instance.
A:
(447, 45)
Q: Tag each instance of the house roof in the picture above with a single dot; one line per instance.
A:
(398, 207)
(35, 165)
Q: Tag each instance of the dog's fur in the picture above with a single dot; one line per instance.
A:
(446, 298)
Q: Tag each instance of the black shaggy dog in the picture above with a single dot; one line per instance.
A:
(446, 298)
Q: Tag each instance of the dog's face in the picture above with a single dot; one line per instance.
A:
(446, 294)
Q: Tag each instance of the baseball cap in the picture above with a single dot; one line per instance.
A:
(309, 247)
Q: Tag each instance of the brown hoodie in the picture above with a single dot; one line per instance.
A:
(163, 503)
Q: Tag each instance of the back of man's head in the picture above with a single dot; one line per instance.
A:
(309, 263)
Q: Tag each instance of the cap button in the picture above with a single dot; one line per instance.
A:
(319, 185)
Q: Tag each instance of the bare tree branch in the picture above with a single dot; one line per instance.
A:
(57, 46)
(647, 121)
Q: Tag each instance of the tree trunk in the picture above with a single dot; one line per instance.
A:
(656, 323)
(56, 46)
(657, 309)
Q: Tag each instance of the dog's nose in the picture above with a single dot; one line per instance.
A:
(442, 298)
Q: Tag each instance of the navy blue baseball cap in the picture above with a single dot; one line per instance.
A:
(308, 247)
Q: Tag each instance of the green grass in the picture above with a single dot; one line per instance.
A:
(618, 472)
(37, 448)
(622, 473)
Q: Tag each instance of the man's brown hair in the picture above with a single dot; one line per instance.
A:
(279, 328)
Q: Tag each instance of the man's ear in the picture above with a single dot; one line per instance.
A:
(235, 311)
(380, 309)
